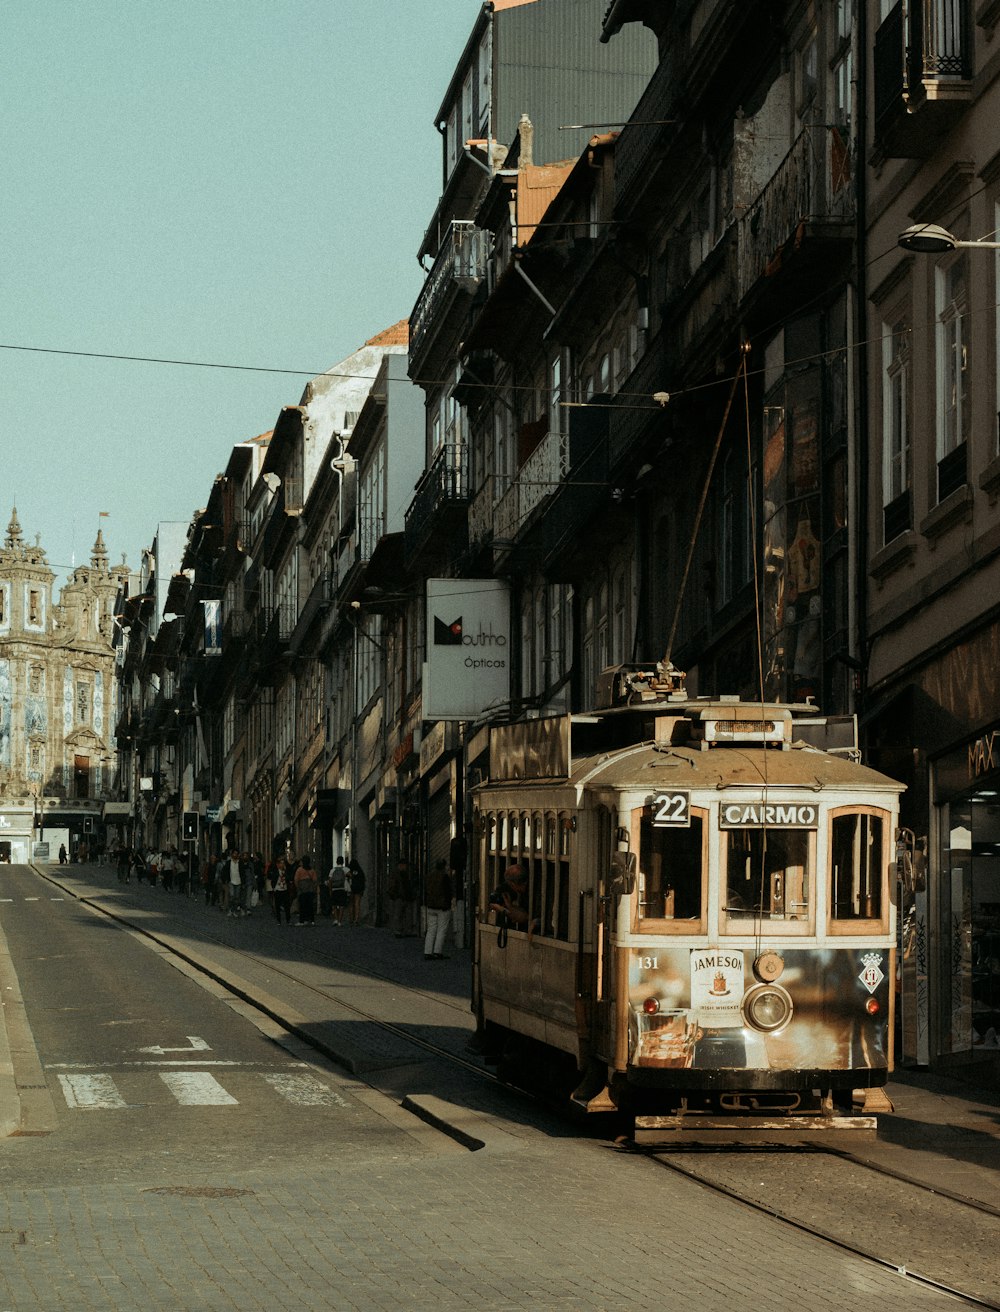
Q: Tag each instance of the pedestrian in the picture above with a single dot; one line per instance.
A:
(233, 884)
(306, 888)
(437, 905)
(63, 859)
(357, 890)
(208, 879)
(281, 893)
(339, 895)
(400, 898)
(325, 895)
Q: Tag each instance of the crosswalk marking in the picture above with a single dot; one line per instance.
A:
(91, 1092)
(305, 1091)
(197, 1089)
(98, 1092)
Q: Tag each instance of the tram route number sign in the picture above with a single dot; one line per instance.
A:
(669, 810)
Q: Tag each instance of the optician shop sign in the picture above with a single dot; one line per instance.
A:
(467, 671)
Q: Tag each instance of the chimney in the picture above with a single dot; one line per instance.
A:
(526, 134)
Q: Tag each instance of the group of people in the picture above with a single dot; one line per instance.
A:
(168, 868)
(237, 882)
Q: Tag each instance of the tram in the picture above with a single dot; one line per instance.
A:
(706, 939)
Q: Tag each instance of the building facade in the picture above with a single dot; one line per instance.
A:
(58, 700)
(933, 627)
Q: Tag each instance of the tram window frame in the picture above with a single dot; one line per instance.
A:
(845, 925)
(777, 923)
(642, 824)
(544, 850)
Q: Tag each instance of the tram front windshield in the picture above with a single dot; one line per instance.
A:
(769, 874)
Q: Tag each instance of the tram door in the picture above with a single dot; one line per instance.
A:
(605, 913)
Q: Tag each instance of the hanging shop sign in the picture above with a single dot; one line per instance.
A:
(467, 671)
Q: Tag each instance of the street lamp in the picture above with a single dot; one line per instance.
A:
(932, 239)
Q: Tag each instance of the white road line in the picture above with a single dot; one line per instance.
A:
(197, 1089)
(91, 1092)
(305, 1091)
(32, 899)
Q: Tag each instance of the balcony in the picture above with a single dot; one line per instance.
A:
(640, 137)
(811, 195)
(534, 484)
(923, 73)
(632, 415)
(457, 271)
(274, 641)
(481, 513)
(441, 497)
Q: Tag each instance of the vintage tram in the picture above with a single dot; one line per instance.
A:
(708, 927)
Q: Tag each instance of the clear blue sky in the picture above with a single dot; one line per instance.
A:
(242, 182)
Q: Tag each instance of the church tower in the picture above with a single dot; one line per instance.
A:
(57, 691)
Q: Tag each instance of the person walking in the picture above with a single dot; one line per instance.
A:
(306, 888)
(339, 896)
(232, 883)
(281, 893)
(437, 906)
(358, 883)
(400, 896)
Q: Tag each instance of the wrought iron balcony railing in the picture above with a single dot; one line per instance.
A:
(460, 265)
(812, 185)
(444, 483)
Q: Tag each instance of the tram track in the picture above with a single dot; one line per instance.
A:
(956, 1252)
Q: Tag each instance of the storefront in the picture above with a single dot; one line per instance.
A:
(965, 901)
(16, 832)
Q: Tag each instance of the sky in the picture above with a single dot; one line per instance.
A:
(229, 182)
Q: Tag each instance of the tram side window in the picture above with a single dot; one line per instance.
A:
(768, 874)
(670, 861)
(856, 867)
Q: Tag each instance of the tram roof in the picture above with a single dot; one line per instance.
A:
(660, 766)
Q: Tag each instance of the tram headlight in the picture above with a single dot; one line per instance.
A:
(651, 1006)
(767, 1008)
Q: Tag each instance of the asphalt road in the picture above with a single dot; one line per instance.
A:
(140, 1061)
(265, 1178)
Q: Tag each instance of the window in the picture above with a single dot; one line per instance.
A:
(952, 374)
(808, 71)
(81, 776)
(556, 394)
(857, 867)
(372, 503)
(671, 879)
(542, 844)
(769, 877)
(896, 429)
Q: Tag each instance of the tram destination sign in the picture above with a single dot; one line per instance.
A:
(782, 815)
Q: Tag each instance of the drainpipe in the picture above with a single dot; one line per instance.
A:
(861, 354)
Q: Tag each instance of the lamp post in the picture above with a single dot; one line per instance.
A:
(932, 239)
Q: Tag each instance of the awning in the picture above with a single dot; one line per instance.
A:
(331, 809)
(121, 809)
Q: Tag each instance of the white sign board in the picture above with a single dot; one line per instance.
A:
(467, 671)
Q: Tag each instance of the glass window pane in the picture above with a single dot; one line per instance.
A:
(670, 870)
(856, 864)
(768, 875)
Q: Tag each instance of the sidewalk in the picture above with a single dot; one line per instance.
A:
(942, 1132)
